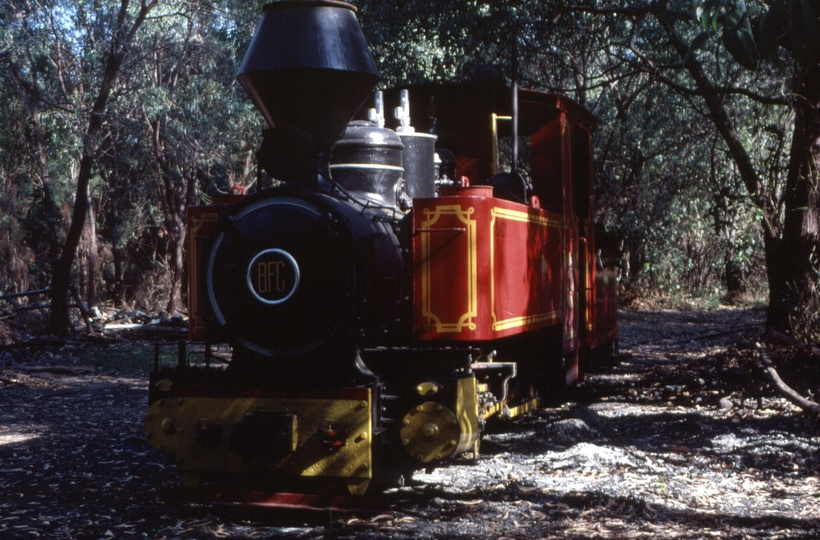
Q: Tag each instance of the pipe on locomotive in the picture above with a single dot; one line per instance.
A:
(514, 167)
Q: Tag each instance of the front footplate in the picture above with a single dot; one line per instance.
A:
(264, 434)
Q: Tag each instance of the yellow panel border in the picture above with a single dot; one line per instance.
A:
(466, 320)
(197, 222)
(522, 217)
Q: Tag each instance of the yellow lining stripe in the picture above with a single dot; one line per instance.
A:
(467, 320)
(521, 217)
(515, 322)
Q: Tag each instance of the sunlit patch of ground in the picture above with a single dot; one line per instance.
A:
(11, 438)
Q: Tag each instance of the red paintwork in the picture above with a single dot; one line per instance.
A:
(326, 504)
(259, 503)
(490, 266)
(201, 221)
(528, 275)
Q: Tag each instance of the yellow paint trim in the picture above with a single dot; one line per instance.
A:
(530, 405)
(467, 319)
(515, 322)
(171, 426)
(517, 410)
(197, 322)
(525, 217)
(201, 220)
(467, 413)
(525, 320)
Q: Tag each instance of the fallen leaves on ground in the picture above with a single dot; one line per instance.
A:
(682, 438)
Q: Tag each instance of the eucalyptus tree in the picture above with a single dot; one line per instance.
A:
(183, 132)
(421, 40)
(36, 104)
(201, 129)
(15, 171)
(785, 34)
(731, 58)
(68, 58)
(126, 221)
(649, 159)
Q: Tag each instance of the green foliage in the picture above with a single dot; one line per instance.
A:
(207, 115)
(755, 33)
(424, 40)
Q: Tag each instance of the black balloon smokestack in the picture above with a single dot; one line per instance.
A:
(308, 70)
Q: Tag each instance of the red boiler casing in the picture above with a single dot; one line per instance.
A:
(484, 268)
(201, 221)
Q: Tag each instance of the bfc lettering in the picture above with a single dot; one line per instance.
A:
(270, 277)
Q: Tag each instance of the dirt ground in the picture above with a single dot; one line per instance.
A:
(682, 437)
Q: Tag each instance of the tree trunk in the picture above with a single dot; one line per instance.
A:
(92, 296)
(775, 270)
(177, 264)
(61, 277)
(792, 254)
(794, 294)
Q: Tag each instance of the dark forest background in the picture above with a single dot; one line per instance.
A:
(119, 114)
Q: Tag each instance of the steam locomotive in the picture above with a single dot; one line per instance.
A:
(392, 289)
